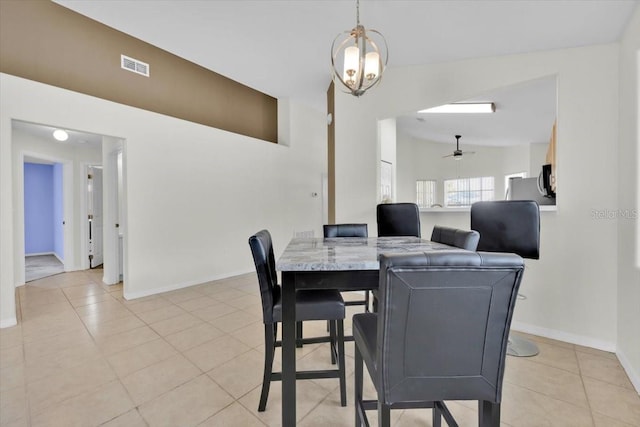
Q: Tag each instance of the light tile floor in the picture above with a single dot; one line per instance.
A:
(83, 356)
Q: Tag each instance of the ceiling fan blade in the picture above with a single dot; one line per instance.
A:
(450, 155)
(468, 152)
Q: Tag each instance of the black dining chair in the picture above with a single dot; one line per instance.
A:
(440, 333)
(463, 239)
(509, 226)
(310, 305)
(398, 219)
(349, 230)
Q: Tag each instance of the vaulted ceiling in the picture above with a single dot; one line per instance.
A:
(282, 47)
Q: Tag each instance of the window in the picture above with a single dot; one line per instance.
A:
(425, 193)
(464, 192)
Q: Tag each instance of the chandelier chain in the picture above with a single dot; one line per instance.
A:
(358, 12)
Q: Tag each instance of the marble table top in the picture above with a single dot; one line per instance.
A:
(348, 253)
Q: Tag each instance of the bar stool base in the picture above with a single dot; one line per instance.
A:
(521, 347)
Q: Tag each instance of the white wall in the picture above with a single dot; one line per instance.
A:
(387, 142)
(194, 194)
(111, 207)
(629, 199)
(406, 174)
(537, 156)
(572, 291)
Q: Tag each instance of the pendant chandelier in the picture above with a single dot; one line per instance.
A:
(359, 57)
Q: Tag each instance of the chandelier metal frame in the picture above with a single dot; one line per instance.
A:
(357, 81)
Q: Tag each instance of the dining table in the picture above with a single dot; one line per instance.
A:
(344, 264)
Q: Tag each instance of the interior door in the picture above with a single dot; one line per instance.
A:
(95, 217)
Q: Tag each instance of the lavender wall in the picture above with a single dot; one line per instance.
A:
(38, 208)
(58, 212)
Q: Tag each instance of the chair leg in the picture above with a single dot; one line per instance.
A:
(384, 415)
(358, 385)
(488, 414)
(366, 301)
(341, 363)
(299, 334)
(270, 331)
(436, 420)
(332, 345)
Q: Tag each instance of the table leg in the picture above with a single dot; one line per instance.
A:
(288, 349)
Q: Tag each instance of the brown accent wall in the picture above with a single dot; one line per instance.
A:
(331, 150)
(48, 43)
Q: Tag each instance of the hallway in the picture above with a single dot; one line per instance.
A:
(41, 266)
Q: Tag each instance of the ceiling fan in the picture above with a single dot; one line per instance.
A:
(457, 153)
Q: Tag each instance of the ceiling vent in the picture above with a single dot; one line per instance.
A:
(134, 65)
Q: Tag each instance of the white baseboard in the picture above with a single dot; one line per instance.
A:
(40, 254)
(7, 323)
(633, 375)
(46, 253)
(59, 259)
(148, 292)
(564, 336)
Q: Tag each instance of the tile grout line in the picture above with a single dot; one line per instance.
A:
(179, 352)
(135, 406)
(24, 362)
(549, 396)
(584, 388)
(102, 356)
(249, 409)
(321, 403)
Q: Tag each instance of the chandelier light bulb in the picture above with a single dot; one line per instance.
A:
(371, 65)
(351, 61)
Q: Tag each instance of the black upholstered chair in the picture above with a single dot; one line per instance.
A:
(310, 305)
(440, 333)
(463, 239)
(398, 219)
(509, 226)
(345, 230)
(349, 230)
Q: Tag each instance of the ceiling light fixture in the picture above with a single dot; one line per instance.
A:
(359, 57)
(60, 135)
(480, 107)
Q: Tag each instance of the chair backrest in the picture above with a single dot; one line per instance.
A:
(463, 239)
(264, 260)
(508, 226)
(398, 219)
(345, 230)
(443, 324)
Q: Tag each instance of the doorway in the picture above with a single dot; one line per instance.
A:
(43, 218)
(79, 153)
